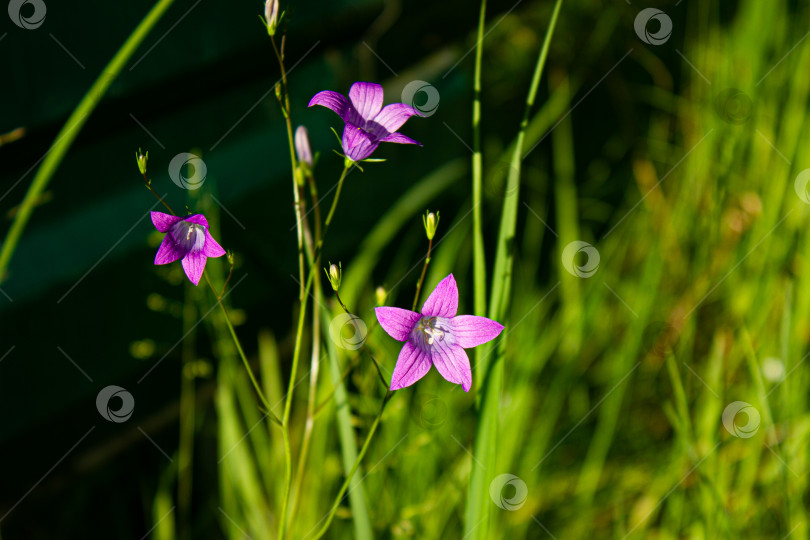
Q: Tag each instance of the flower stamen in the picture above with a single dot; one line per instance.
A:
(429, 330)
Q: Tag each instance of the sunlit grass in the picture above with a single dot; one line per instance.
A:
(607, 400)
(614, 384)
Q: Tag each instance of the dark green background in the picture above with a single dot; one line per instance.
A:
(189, 90)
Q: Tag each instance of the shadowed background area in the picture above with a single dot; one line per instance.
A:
(675, 161)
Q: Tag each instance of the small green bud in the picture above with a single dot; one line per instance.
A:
(300, 174)
(230, 257)
(335, 274)
(431, 221)
(278, 92)
(381, 295)
(141, 158)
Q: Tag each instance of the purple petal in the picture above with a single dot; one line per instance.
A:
(357, 144)
(169, 251)
(471, 331)
(412, 365)
(399, 138)
(163, 222)
(367, 99)
(443, 301)
(198, 219)
(452, 363)
(211, 247)
(332, 100)
(392, 117)
(194, 264)
(397, 322)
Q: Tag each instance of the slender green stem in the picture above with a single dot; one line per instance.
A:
(285, 435)
(299, 334)
(357, 462)
(149, 187)
(241, 351)
(422, 277)
(331, 214)
(72, 128)
(316, 208)
(303, 290)
(285, 428)
(363, 346)
(228, 279)
(310, 242)
(479, 260)
(285, 107)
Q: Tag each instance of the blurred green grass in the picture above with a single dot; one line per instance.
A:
(615, 384)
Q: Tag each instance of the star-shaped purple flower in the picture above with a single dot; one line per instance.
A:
(368, 123)
(436, 337)
(188, 239)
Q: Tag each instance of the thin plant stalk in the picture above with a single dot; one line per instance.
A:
(372, 430)
(285, 108)
(422, 277)
(310, 242)
(299, 334)
(363, 346)
(241, 352)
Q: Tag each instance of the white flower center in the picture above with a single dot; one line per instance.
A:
(189, 236)
(429, 331)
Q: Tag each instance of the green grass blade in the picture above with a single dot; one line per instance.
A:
(479, 263)
(489, 372)
(348, 442)
(72, 128)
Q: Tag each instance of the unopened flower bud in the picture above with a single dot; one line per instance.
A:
(278, 91)
(381, 295)
(302, 149)
(141, 159)
(271, 16)
(431, 221)
(334, 273)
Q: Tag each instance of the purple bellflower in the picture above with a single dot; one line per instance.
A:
(436, 336)
(188, 239)
(368, 123)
